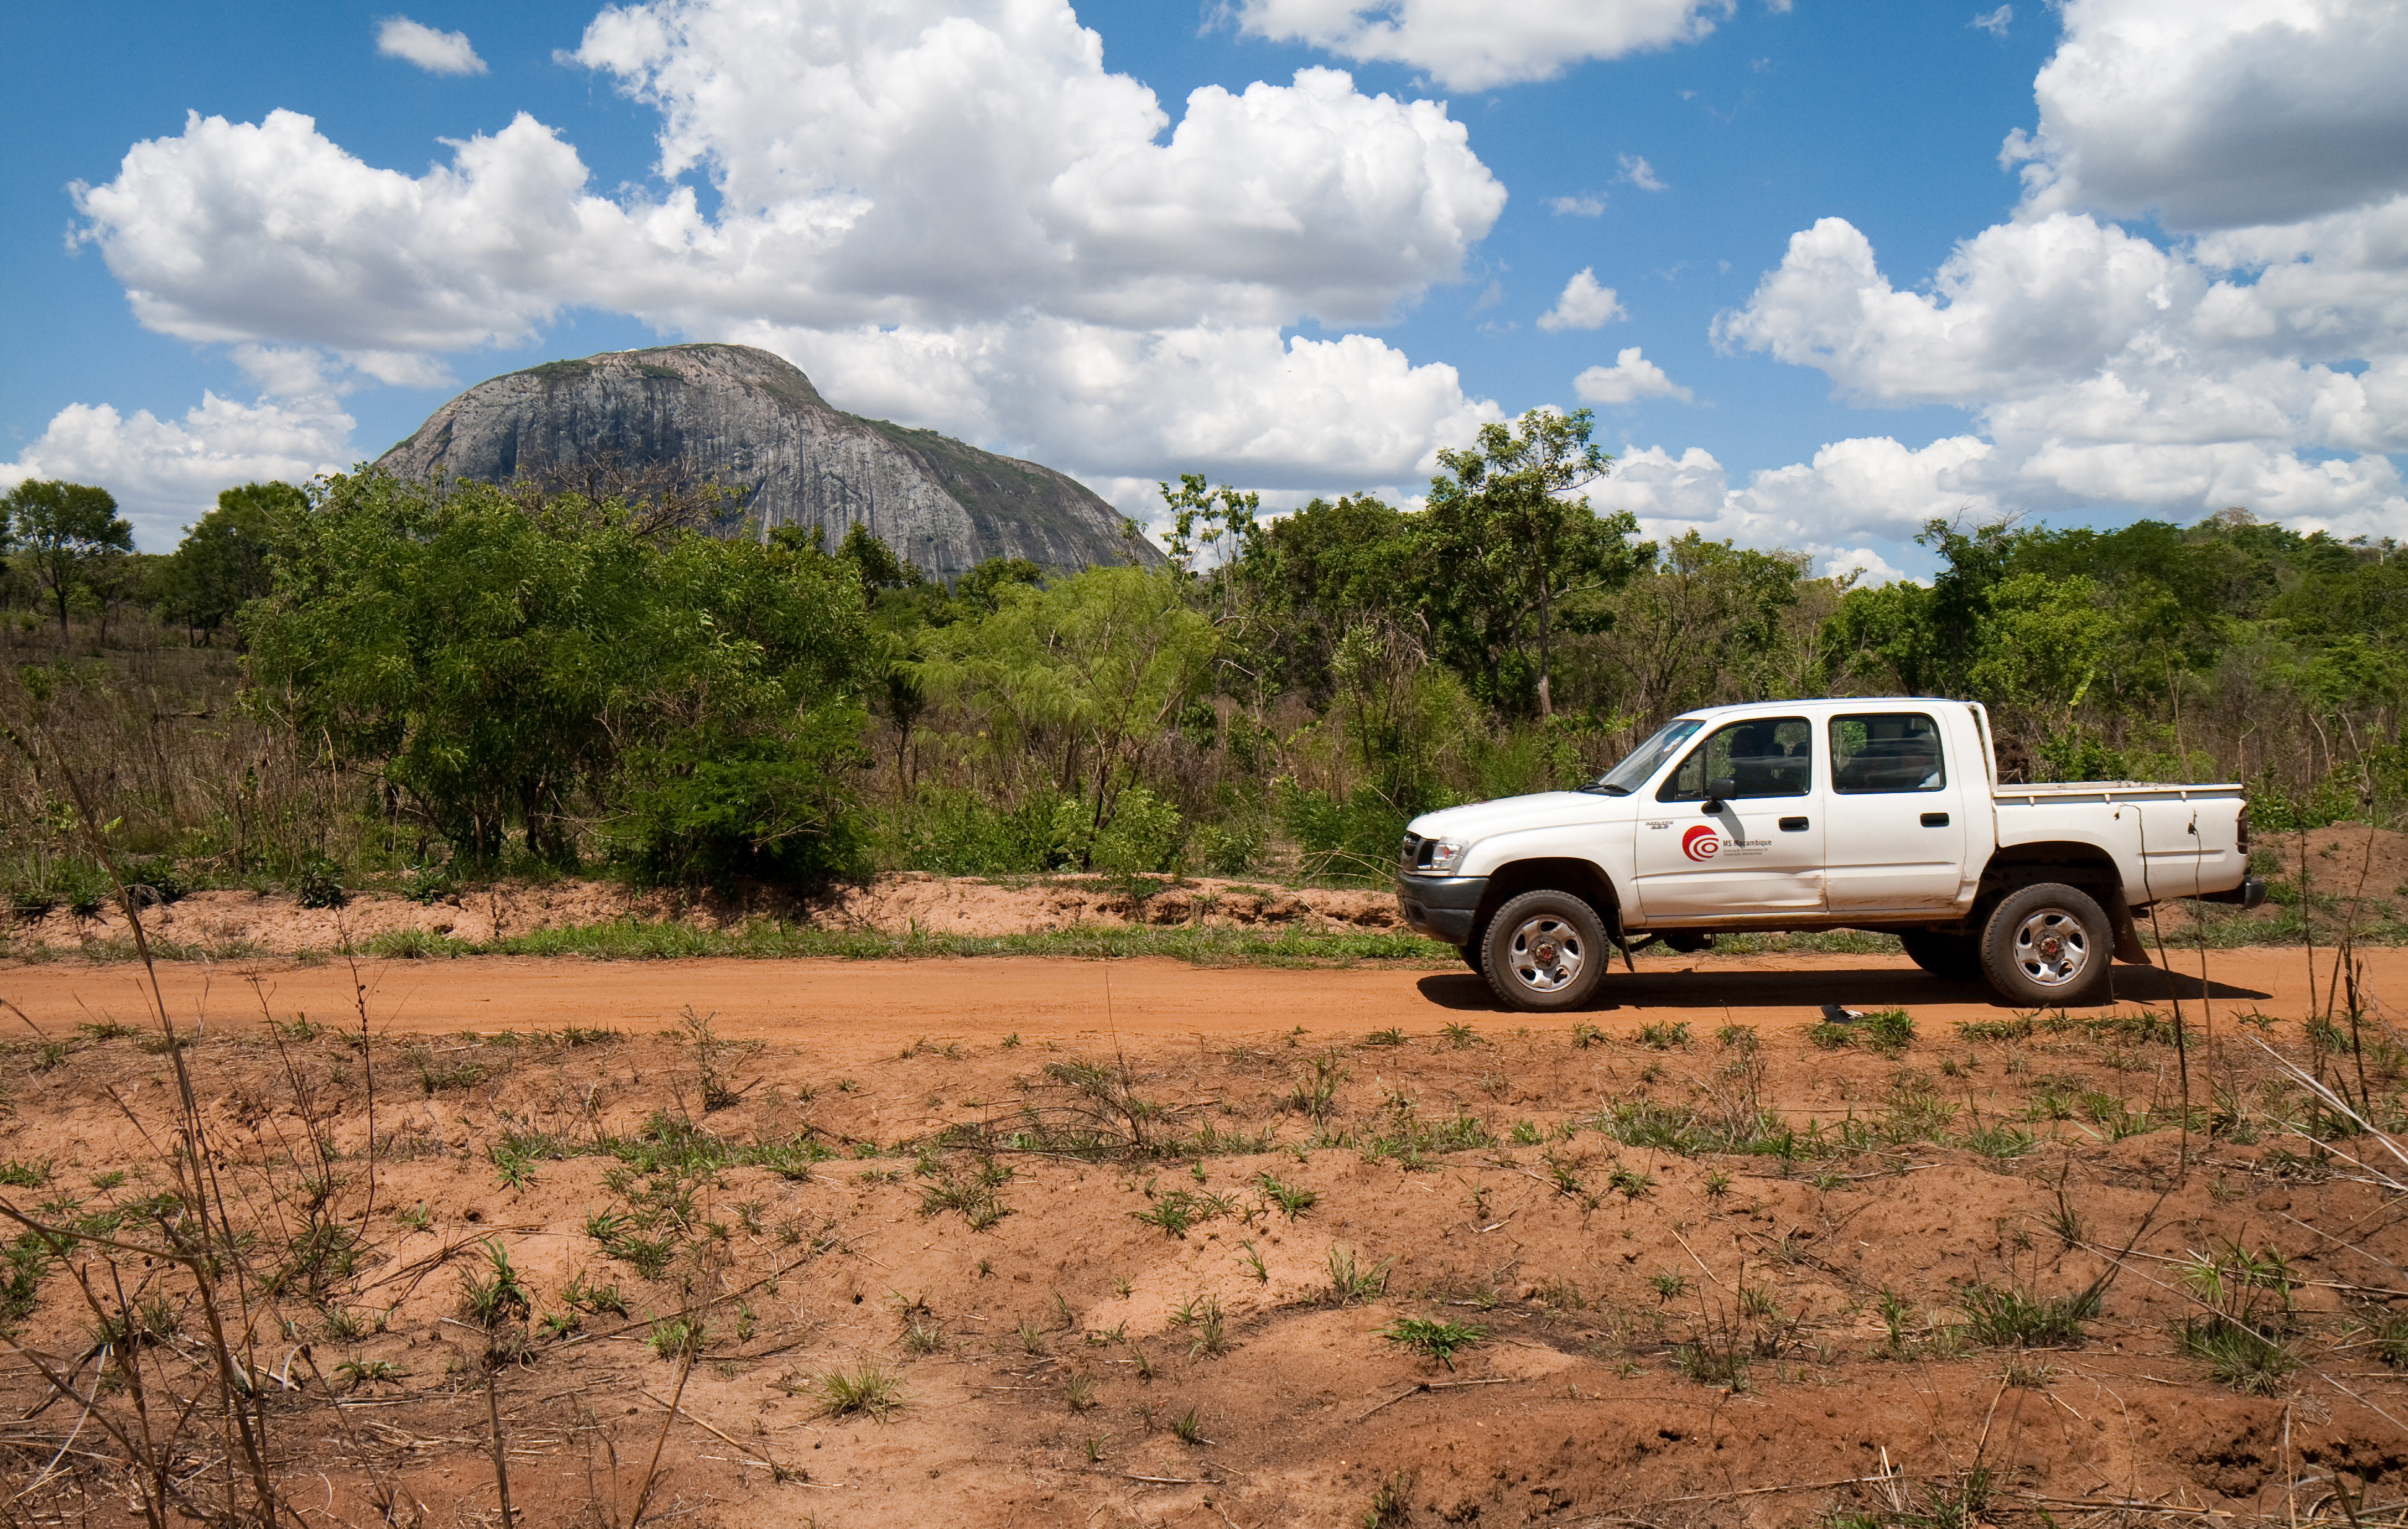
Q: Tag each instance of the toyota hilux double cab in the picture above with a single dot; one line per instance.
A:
(1880, 814)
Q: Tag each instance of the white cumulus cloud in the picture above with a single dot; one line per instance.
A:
(1473, 44)
(437, 52)
(166, 474)
(1583, 205)
(2109, 370)
(1994, 21)
(1631, 378)
(1584, 305)
(954, 213)
(1238, 403)
(2220, 116)
(1852, 493)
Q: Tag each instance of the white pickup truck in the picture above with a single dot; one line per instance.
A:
(1873, 814)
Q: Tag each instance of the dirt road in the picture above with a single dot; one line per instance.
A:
(1067, 1260)
(832, 1004)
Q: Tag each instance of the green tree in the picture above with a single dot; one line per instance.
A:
(1511, 560)
(62, 526)
(1698, 628)
(221, 564)
(1084, 675)
(502, 659)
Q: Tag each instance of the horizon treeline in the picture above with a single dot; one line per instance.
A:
(367, 681)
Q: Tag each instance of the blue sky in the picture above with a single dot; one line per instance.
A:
(1820, 303)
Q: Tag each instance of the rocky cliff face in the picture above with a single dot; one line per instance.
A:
(687, 414)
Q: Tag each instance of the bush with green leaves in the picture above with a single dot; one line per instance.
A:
(508, 662)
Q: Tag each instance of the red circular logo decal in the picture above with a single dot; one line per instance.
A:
(1701, 842)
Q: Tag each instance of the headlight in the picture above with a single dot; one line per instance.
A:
(1443, 856)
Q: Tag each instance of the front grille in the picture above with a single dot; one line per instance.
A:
(1415, 853)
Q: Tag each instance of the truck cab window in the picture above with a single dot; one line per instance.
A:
(1889, 751)
(1764, 756)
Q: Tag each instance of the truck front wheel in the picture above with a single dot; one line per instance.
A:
(2047, 944)
(1544, 952)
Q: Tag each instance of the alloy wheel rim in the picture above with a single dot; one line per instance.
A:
(1546, 954)
(2052, 947)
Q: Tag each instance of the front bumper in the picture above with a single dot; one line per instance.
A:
(2249, 894)
(1441, 907)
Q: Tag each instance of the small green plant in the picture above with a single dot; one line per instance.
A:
(1629, 1183)
(356, 1372)
(1252, 1259)
(1888, 1030)
(1460, 1036)
(1433, 1339)
(497, 1296)
(2243, 1337)
(1669, 1284)
(1830, 1037)
(1317, 1094)
(2000, 1140)
(1349, 1283)
(1079, 1391)
(867, 1391)
(673, 1338)
(1293, 1198)
(1189, 1427)
(345, 1325)
(1739, 1038)
(593, 1300)
(2006, 1318)
(1584, 1036)
(1391, 1036)
(1179, 1209)
(17, 1174)
(1719, 1184)
(1665, 1037)
(2388, 1333)
(1391, 1503)
(1203, 1313)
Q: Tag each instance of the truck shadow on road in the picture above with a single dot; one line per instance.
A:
(1865, 988)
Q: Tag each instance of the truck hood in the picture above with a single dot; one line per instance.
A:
(1478, 820)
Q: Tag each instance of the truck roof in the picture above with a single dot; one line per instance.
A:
(1833, 703)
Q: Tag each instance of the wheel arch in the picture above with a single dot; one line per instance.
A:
(1550, 873)
(2071, 862)
(2014, 867)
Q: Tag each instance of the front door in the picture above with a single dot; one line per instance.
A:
(1734, 828)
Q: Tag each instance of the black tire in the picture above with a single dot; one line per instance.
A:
(2048, 945)
(1957, 958)
(1544, 952)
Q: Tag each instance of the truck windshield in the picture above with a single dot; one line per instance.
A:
(1644, 760)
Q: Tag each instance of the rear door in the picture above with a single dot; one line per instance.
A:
(1896, 820)
(1759, 849)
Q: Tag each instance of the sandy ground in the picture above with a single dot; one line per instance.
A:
(873, 1006)
(1089, 1219)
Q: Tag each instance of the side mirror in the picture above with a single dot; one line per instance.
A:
(1718, 790)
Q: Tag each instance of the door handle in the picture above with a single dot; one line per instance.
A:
(1793, 825)
(1935, 820)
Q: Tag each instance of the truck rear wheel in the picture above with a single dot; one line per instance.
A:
(1956, 957)
(1544, 952)
(2049, 943)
